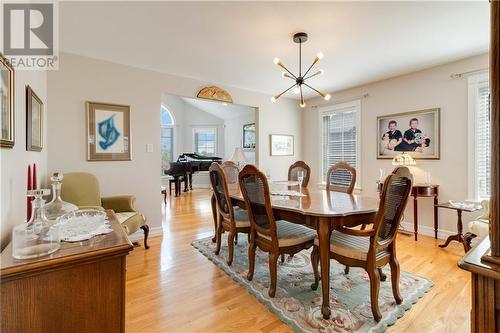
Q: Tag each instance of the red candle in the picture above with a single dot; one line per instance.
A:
(28, 199)
(34, 176)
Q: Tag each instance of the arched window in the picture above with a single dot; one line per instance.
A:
(167, 139)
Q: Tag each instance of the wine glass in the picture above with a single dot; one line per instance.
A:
(300, 178)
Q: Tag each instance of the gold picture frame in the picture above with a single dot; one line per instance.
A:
(7, 115)
(428, 132)
(34, 121)
(108, 132)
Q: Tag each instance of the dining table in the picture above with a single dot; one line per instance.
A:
(318, 209)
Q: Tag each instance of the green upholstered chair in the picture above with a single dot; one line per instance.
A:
(82, 189)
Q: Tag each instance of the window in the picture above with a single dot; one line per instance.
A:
(479, 137)
(166, 139)
(339, 125)
(205, 141)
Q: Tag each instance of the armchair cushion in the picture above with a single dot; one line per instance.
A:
(119, 203)
(290, 234)
(480, 228)
(81, 189)
(350, 246)
(131, 221)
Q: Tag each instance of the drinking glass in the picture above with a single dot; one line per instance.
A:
(300, 178)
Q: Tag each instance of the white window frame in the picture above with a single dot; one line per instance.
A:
(198, 128)
(174, 133)
(474, 83)
(335, 108)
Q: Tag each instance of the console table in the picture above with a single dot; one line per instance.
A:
(424, 191)
(79, 288)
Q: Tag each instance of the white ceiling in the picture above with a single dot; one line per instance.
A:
(219, 110)
(234, 43)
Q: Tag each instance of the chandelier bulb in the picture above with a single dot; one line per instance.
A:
(320, 55)
(296, 90)
(285, 74)
(302, 104)
(276, 61)
(327, 97)
(273, 99)
(321, 72)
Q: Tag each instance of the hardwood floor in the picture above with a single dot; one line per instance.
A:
(173, 288)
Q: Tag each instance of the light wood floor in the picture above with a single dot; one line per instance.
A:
(173, 288)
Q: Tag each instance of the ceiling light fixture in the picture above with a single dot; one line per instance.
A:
(300, 80)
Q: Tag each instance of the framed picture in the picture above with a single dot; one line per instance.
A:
(108, 132)
(34, 121)
(6, 103)
(249, 136)
(281, 145)
(416, 133)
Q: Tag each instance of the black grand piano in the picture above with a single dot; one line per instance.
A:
(186, 165)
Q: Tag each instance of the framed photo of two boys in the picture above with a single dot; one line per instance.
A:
(415, 133)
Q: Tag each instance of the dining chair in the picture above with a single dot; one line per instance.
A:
(231, 219)
(294, 170)
(373, 248)
(275, 237)
(231, 170)
(341, 177)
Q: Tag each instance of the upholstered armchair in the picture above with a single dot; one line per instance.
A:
(481, 225)
(82, 189)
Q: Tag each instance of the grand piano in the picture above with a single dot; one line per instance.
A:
(186, 165)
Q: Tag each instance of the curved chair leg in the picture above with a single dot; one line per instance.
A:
(230, 245)
(273, 272)
(395, 279)
(374, 290)
(218, 237)
(346, 270)
(236, 239)
(383, 277)
(282, 258)
(145, 228)
(314, 263)
(251, 260)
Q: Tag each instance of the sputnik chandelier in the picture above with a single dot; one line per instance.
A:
(300, 79)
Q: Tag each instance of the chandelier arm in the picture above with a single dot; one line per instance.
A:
(312, 65)
(301, 95)
(283, 66)
(300, 59)
(284, 91)
(312, 75)
(316, 90)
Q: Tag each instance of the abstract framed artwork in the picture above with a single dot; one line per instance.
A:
(281, 145)
(415, 132)
(249, 136)
(34, 121)
(108, 132)
(6, 103)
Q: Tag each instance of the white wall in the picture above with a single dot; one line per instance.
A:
(233, 131)
(421, 90)
(14, 162)
(80, 79)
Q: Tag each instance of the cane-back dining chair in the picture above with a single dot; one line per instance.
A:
(231, 219)
(269, 235)
(294, 170)
(341, 177)
(231, 171)
(373, 248)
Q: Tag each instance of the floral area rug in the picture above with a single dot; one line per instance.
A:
(300, 307)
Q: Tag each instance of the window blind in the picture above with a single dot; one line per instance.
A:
(482, 140)
(339, 132)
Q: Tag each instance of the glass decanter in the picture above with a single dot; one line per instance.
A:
(57, 207)
(38, 237)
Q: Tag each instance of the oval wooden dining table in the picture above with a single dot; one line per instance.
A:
(323, 211)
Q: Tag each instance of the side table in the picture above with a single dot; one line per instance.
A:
(466, 238)
(424, 191)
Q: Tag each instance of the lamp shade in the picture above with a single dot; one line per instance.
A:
(238, 155)
(403, 159)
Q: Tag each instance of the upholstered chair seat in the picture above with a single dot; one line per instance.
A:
(82, 189)
(290, 234)
(351, 246)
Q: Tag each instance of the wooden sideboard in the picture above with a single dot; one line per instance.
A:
(80, 288)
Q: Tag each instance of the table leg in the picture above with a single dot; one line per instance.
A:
(324, 233)
(190, 181)
(415, 216)
(460, 237)
(186, 185)
(214, 214)
(435, 217)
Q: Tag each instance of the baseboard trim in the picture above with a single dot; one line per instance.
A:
(427, 231)
(139, 234)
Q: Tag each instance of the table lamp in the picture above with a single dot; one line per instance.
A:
(403, 159)
(238, 156)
